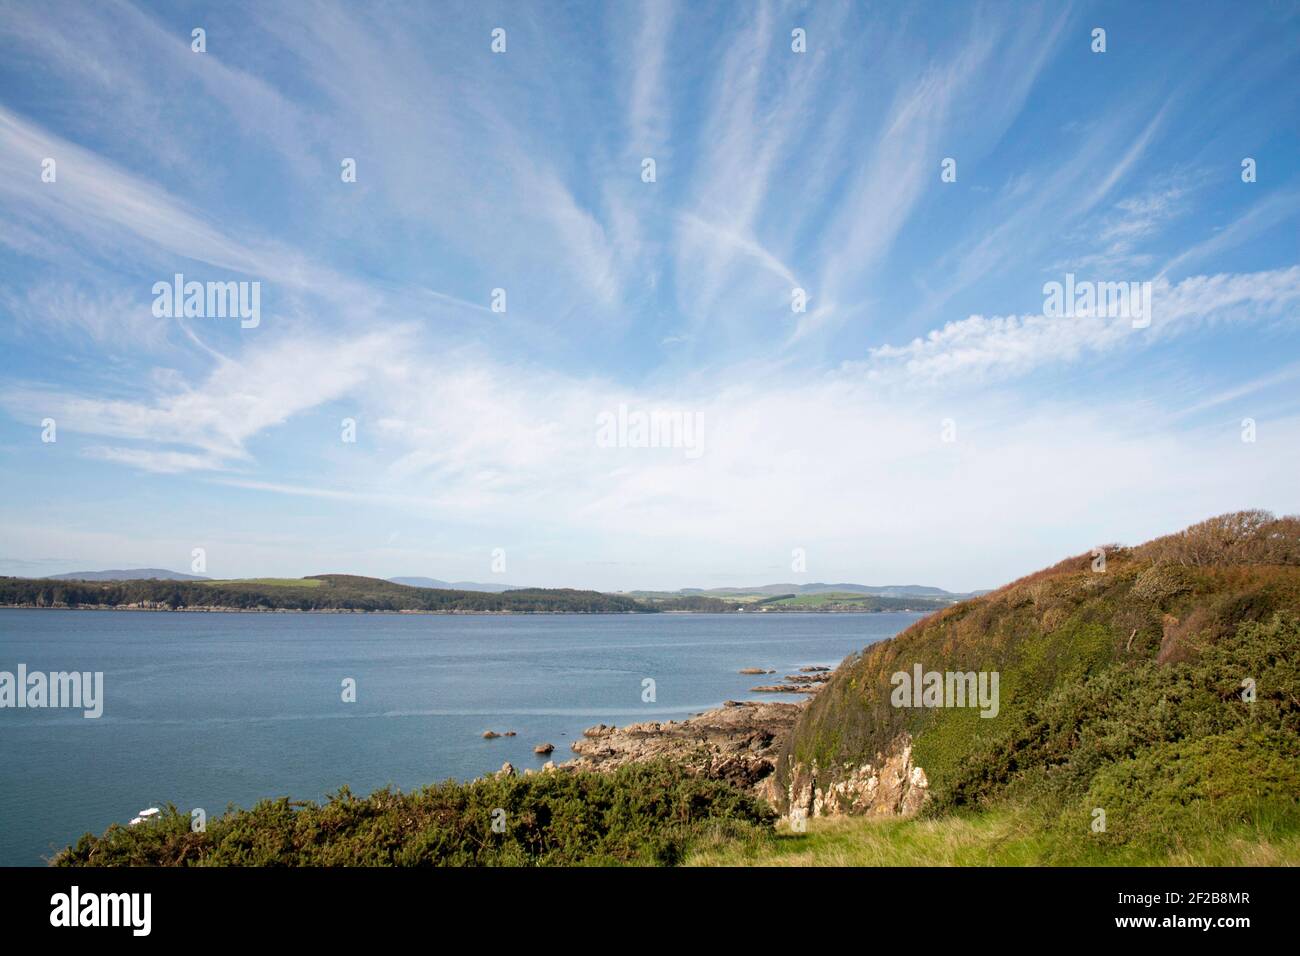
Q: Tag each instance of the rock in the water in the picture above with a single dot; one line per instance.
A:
(490, 735)
(806, 678)
(543, 748)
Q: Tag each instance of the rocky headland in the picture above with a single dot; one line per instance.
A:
(741, 742)
(738, 741)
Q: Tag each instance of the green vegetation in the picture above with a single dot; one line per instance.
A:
(1161, 688)
(322, 592)
(271, 582)
(1121, 690)
(720, 601)
(665, 601)
(847, 601)
(647, 814)
(1008, 836)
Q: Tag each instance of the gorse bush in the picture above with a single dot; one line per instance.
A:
(1119, 687)
(647, 814)
(1148, 713)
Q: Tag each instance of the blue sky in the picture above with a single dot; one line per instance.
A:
(822, 430)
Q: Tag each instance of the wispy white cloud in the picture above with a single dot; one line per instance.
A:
(979, 347)
(1267, 213)
(213, 421)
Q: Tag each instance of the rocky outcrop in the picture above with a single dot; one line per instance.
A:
(801, 683)
(739, 742)
(892, 785)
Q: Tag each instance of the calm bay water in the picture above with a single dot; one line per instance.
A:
(204, 710)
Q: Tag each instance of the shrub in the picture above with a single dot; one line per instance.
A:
(1171, 793)
(1057, 750)
(644, 814)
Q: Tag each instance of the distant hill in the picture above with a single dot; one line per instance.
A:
(457, 585)
(887, 590)
(130, 574)
(320, 592)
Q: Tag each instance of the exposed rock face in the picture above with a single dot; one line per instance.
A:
(739, 742)
(892, 785)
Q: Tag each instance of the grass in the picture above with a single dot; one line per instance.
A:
(829, 597)
(849, 599)
(1003, 837)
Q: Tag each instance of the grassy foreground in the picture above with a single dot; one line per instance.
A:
(1006, 837)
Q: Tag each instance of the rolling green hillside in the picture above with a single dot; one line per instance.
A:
(846, 601)
(1121, 689)
(321, 592)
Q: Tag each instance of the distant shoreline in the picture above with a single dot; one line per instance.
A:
(296, 610)
(447, 613)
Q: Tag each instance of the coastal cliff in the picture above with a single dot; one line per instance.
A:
(1112, 675)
